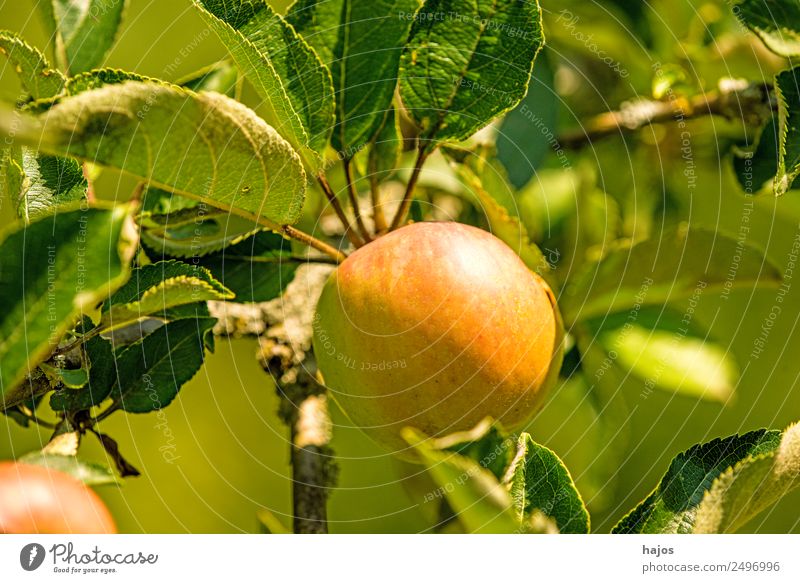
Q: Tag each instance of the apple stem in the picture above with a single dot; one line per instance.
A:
(307, 239)
(377, 208)
(351, 192)
(348, 229)
(405, 205)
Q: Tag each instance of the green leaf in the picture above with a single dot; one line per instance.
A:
(285, 71)
(163, 135)
(788, 93)
(157, 289)
(481, 503)
(530, 131)
(98, 356)
(84, 31)
(776, 22)
(71, 378)
(220, 77)
(38, 78)
(672, 507)
(665, 352)
(12, 177)
(257, 269)
(152, 371)
(39, 183)
(669, 268)
(100, 78)
(50, 182)
(751, 486)
(385, 148)
(467, 62)
(90, 473)
(485, 444)
(191, 232)
(756, 167)
(538, 480)
(361, 43)
(52, 271)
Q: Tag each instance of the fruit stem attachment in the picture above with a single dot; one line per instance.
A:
(351, 192)
(307, 239)
(405, 205)
(377, 208)
(337, 208)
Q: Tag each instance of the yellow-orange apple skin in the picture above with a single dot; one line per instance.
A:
(436, 326)
(38, 500)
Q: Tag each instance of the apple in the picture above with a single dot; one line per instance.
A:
(436, 326)
(35, 499)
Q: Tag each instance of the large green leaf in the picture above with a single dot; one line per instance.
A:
(152, 371)
(84, 31)
(479, 500)
(165, 135)
(751, 486)
(538, 480)
(787, 87)
(155, 290)
(38, 78)
(52, 271)
(467, 62)
(287, 74)
(665, 350)
(776, 22)
(672, 267)
(361, 42)
(673, 505)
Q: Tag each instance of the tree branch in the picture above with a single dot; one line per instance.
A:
(284, 327)
(734, 99)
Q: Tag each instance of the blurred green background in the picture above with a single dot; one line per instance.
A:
(231, 449)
